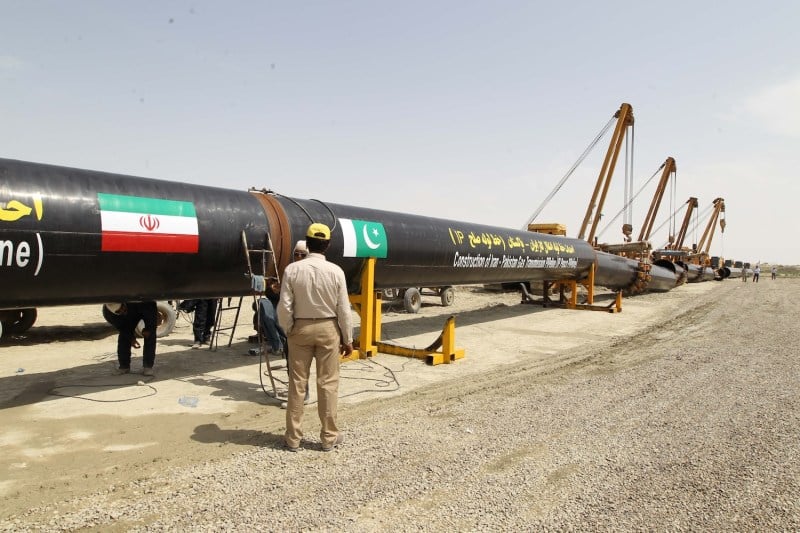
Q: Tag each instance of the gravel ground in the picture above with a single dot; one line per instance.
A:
(688, 425)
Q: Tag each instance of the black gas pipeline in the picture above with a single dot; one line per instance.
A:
(677, 268)
(72, 236)
(730, 272)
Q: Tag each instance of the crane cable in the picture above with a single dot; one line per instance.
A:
(658, 228)
(673, 195)
(706, 212)
(697, 216)
(629, 202)
(629, 147)
(570, 172)
(722, 237)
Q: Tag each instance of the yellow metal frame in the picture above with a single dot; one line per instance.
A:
(368, 305)
(572, 301)
(433, 355)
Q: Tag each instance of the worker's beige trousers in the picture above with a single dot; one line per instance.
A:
(320, 340)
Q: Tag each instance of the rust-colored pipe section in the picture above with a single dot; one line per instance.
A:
(279, 227)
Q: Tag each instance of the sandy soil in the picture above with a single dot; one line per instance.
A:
(71, 429)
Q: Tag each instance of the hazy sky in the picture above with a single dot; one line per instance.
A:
(465, 110)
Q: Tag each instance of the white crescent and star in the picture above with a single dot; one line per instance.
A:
(367, 241)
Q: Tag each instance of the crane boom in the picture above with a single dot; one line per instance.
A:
(719, 208)
(691, 205)
(624, 120)
(669, 169)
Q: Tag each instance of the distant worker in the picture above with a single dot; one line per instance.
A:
(774, 272)
(300, 251)
(744, 274)
(314, 310)
(129, 314)
(756, 272)
(205, 315)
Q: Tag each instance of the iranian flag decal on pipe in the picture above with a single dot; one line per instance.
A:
(363, 238)
(138, 224)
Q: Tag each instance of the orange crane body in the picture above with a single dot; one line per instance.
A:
(624, 120)
(669, 169)
(678, 243)
(704, 245)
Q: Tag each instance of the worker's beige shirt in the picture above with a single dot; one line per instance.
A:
(315, 288)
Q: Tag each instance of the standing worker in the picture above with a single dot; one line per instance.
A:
(205, 316)
(756, 273)
(314, 311)
(774, 272)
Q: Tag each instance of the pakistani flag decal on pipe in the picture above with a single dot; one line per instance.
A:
(363, 238)
(139, 224)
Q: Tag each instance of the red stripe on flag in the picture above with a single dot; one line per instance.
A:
(124, 241)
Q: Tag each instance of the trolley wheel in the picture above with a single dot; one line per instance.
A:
(165, 320)
(390, 294)
(412, 300)
(17, 321)
(448, 295)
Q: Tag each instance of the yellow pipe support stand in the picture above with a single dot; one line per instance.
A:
(571, 302)
(614, 307)
(432, 354)
(368, 305)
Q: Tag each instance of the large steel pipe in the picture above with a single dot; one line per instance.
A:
(426, 251)
(694, 273)
(707, 274)
(677, 268)
(731, 272)
(662, 279)
(63, 238)
(618, 272)
(698, 273)
(77, 236)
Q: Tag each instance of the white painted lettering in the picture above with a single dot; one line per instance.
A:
(19, 254)
(6, 253)
(23, 254)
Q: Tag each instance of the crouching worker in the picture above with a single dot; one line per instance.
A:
(267, 320)
(314, 310)
(127, 317)
(270, 329)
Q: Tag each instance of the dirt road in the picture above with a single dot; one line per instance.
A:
(679, 413)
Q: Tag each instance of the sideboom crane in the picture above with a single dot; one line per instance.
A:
(704, 245)
(677, 244)
(624, 120)
(669, 170)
